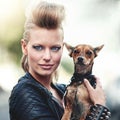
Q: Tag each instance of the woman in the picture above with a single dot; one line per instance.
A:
(36, 97)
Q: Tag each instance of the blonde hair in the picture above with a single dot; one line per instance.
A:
(46, 15)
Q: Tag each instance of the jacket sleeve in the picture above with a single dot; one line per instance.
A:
(27, 104)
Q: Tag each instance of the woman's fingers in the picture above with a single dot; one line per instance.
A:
(97, 94)
(87, 84)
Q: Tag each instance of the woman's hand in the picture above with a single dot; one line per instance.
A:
(96, 95)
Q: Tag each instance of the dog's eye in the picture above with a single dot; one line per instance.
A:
(76, 51)
(89, 53)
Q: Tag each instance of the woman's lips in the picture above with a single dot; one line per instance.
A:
(46, 66)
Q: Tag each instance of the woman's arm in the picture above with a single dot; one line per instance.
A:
(98, 111)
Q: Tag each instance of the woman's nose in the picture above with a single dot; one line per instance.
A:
(47, 55)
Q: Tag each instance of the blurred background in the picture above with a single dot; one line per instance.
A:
(93, 22)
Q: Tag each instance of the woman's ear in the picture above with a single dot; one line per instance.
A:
(24, 46)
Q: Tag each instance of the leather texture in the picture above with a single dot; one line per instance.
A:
(29, 100)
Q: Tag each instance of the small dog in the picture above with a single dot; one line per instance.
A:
(76, 99)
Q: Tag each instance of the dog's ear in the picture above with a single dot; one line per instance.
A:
(69, 48)
(97, 49)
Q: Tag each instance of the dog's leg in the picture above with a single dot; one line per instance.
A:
(68, 100)
(67, 114)
(78, 109)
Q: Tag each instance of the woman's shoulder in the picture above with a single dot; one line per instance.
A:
(28, 98)
(28, 90)
(23, 83)
(28, 86)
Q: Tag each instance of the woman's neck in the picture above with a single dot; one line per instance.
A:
(44, 80)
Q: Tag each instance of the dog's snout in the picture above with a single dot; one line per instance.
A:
(80, 59)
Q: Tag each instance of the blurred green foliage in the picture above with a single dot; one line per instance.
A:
(68, 65)
(11, 30)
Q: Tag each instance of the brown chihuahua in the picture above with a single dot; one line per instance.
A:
(76, 99)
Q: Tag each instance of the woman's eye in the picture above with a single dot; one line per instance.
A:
(37, 47)
(55, 49)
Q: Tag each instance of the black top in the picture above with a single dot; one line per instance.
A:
(30, 100)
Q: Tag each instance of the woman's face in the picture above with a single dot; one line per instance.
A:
(44, 50)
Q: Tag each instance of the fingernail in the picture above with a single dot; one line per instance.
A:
(85, 80)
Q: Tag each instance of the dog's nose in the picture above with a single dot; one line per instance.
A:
(80, 59)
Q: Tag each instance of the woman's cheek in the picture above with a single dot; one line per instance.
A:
(34, 56)
(58, 57)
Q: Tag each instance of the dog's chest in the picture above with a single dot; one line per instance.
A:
(77, 98)
(77, 87)
(79, 90)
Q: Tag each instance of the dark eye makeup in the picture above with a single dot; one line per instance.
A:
(55, 48)
(37, 47)
(40, 47)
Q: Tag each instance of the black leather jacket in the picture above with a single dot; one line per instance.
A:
(29, 100)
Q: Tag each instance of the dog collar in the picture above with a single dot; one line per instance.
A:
(79, 78)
